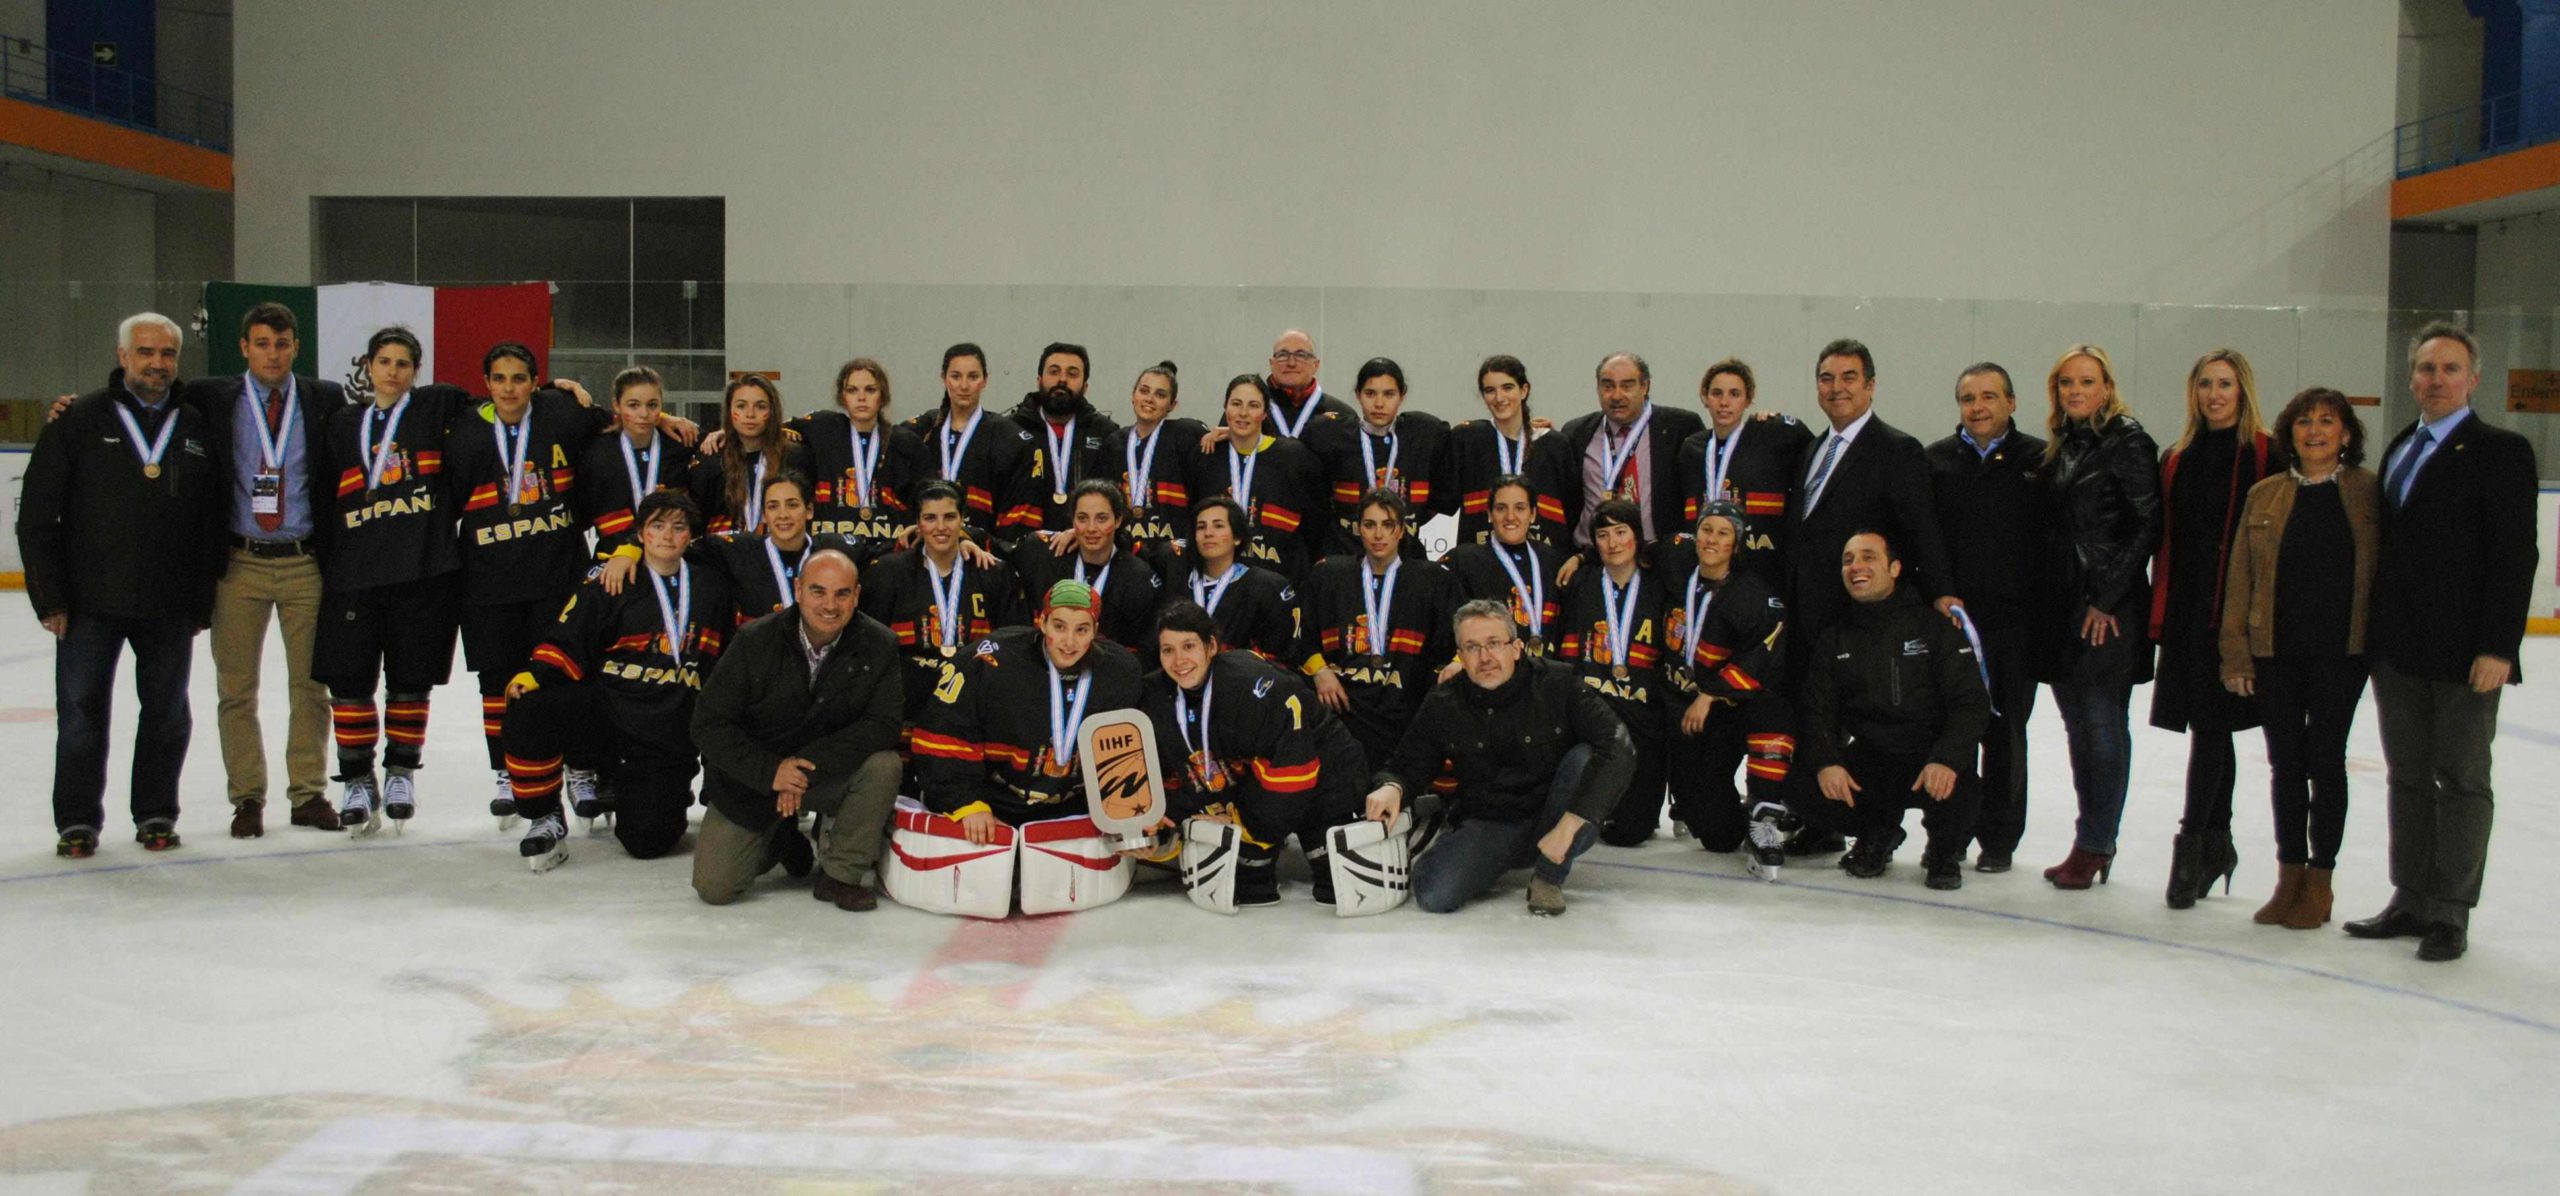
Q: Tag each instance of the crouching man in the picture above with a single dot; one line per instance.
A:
(801, 714)
(1540, 760)
(996, 758)
(1892, 709)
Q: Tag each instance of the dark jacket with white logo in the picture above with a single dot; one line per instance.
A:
(1896, 677)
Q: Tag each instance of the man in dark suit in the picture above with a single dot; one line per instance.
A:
(2450, 592)
(1990, 505)
(117, 525)
(1628, 449)
(1860, 473)
(264, 426)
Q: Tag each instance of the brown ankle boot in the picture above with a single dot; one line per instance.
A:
(2288, 893)
(2311, 911)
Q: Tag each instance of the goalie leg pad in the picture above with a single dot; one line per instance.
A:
(932, 866)
(1372, 865)
(1067, 864)
(1211, 853)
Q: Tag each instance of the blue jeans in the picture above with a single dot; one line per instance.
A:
(2097, 719)
(84, 683)
(1466, 859)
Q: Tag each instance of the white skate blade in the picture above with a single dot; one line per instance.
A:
(548, 860)
(1767, 872)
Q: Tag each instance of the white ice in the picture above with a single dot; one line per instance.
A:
(304, 1013)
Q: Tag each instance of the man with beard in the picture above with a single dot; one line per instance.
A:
(1069, 431)
(1628, 449)
(1747, 460)
(120, 524)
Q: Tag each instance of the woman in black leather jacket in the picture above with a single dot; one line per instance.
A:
(2092, 643)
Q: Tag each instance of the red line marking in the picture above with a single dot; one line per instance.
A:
(1023, 942)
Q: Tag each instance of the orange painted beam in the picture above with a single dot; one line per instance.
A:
(2472, 182)
(54, 131)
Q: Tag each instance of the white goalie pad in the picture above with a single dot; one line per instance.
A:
(1211, 852)
(1068, 865)
(933, 866)
(1372, 865)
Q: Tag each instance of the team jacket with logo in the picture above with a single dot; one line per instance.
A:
(1761, 477)
(1897, 676)
(872, 531)
(1475, 464)
(1480, 575)
(1285, 411)
(984, 741)
(531, 544)
(1384, 691)
(743, 564)
(1267, 734)
(1092, 429)
(897, 591)
(1421, 466)
(1160, 503)
(1586, 644)
(1735, 655)
(604, 491)
(1290, 530)
(618, 642)
(403, 529)
(1132, 592)
(709, 482)
(1258, 611)
(1000, 473)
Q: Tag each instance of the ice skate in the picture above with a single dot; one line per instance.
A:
(360, 811)
(502, 806)
(1767, 847)
(399, 798)
(588, 802)
(544, 842)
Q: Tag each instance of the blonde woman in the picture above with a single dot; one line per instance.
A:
(2204, 480)
(2104, 503)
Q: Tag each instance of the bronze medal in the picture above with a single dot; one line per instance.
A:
(949, 651)
(1619, 672)
(151, 471)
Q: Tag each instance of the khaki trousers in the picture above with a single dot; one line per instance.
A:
(727, 858)
(254, 588)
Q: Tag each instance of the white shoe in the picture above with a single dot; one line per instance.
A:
(503, 805)
(544, 842)
(360, 811)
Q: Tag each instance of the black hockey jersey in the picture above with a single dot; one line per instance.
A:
(1281, 488)
(897, 590)
(1385, 688)
(1159, 502)
(998, 469)
(1479, 457)
(1266, 732)
(395, 523)
(894, 464)
(986, 741)
(1255, 608)
(1757, 466)
(1290, 419)
(709, 483)
(1736, 654)
(522, 539)
(1069, 452)
(1536, 599)
(1131, 590)
(619, 642)
(760, 575)
(1412, 459)
(1631, 684)
(616, 474)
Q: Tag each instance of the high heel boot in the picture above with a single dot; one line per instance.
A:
(2279, 908)
(2080, 869)
(2311, 911)
(2186, 871)
(2221, 858)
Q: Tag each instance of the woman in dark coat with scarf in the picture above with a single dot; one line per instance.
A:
(2204, 481)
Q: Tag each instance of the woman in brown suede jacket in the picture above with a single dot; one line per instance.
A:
(2293, 635)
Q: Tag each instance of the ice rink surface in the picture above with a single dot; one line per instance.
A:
(304, 1013)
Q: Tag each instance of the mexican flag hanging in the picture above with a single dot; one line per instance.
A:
(455, 325)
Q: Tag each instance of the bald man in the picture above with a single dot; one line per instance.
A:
(1298, 400)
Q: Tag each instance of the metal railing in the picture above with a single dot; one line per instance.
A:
(2474, 131)
(31, 72)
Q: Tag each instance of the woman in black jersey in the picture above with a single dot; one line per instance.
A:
(753, 446)
(1512, 568)
(640, 459)
(1155, 459)
(1276, 480)
(866, 468)
(1256, 609)
(1507, 443)
(1126, 590)
(994, 461)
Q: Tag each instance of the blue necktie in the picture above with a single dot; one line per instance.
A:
(2408, 470)
(1822, 471)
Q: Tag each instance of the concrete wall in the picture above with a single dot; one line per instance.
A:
(2517, 317)
(1436, 179)
(2439, 58)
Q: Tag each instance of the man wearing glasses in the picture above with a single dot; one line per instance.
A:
(1297, 399)
(1540, 760)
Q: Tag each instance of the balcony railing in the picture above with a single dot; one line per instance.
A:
(31, 72)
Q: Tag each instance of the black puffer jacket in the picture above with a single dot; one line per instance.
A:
(2103, 508)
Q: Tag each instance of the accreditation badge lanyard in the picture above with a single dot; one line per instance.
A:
(271, 442)
(1720, 463)
(866, 466)
(1066, 713)
(1981, 663)
(643, 483)
(1240, 467)
(1694, 608)
(1280, 419)
(1062, 444)
(1378, 596)
(1142, 467)
(1369, 461)
(513, 462)
(955, 445)
(1508, 454)
(782, 577)
(1100, 578)
(377, 456)
(159, 447)
(1208, 595)
(1533, 588)
(755, 498)
(1621, 613)
(677, 617)
(947, 603)
(1614, 462)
